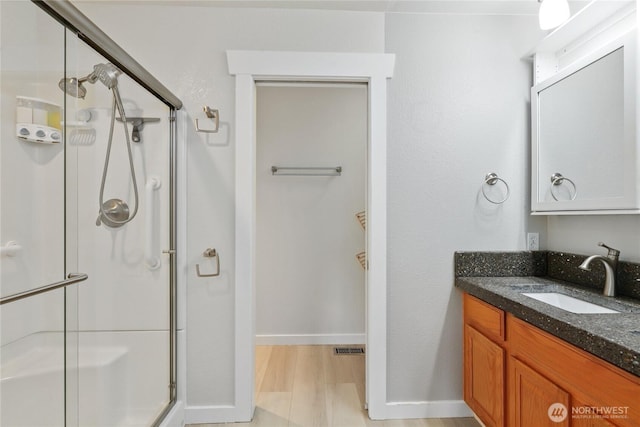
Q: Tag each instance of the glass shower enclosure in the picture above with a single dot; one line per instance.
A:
(87, 230)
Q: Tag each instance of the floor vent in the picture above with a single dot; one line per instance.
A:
(348, 350)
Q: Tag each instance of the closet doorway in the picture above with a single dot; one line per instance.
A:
(309, 283)
(311, 177)
(249, 68)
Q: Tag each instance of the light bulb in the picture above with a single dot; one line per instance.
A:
(553, 13)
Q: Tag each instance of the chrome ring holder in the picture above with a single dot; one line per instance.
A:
(492, 178)
(556, 180)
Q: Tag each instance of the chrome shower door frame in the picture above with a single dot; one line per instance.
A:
(73, 20)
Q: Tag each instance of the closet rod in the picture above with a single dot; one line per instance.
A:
(306, 170)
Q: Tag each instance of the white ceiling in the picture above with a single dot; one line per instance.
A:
(509, 7)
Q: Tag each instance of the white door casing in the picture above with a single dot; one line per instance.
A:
(374, 69)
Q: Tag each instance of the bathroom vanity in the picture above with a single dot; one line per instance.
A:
(529, 363)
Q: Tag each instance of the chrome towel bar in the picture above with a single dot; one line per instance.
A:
(306, 170)
(71, 279)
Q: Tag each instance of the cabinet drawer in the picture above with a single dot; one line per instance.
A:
(484, 317)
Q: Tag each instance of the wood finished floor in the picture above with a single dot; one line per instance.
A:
(309, 386)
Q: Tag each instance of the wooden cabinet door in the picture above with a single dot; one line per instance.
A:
(534, 401)
(484, 377)
(584, 419)
(590, 422)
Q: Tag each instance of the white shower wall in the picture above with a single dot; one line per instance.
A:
(123, 294)
(31, 174)
(310, 288)
(124, 304)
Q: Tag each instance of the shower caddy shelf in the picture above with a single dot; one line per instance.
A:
(38, 120)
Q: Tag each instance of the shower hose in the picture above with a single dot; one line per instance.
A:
(117, 102)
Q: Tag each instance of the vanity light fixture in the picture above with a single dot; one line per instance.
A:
(553, 13)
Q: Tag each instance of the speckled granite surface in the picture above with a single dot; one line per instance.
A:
(564, 266)
(497, 264)
(556, 265)
(612, 337)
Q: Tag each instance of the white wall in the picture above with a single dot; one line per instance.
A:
(458, 109)
(309, 284)
(184, 47)
(581, 234)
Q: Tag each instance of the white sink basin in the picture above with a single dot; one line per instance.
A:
(565, 302)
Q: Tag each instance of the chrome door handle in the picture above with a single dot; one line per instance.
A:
(71, 279)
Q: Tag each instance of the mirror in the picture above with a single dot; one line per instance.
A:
(584, 142)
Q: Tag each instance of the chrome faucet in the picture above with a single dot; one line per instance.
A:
(610, 263)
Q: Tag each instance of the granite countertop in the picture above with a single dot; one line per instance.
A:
(612, 337)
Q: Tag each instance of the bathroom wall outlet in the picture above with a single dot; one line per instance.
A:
(533, 241)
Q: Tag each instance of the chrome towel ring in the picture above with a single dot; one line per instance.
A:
(492, 178)
(556, 180)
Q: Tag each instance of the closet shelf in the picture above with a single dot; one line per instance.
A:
(362, 219)
(362, 259)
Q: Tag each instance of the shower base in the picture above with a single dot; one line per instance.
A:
(101, 387)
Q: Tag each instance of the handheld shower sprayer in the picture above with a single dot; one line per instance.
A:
(113, 212)
(106, 73)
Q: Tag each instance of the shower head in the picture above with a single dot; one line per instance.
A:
(106, 73)
(72, 86)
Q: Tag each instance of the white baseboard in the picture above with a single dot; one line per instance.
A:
(427, 409)
(212, 414)
(311, 339)
(393, 411)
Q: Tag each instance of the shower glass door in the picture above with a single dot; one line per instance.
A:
(97, 352)
(32, 238)
(118, 323)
